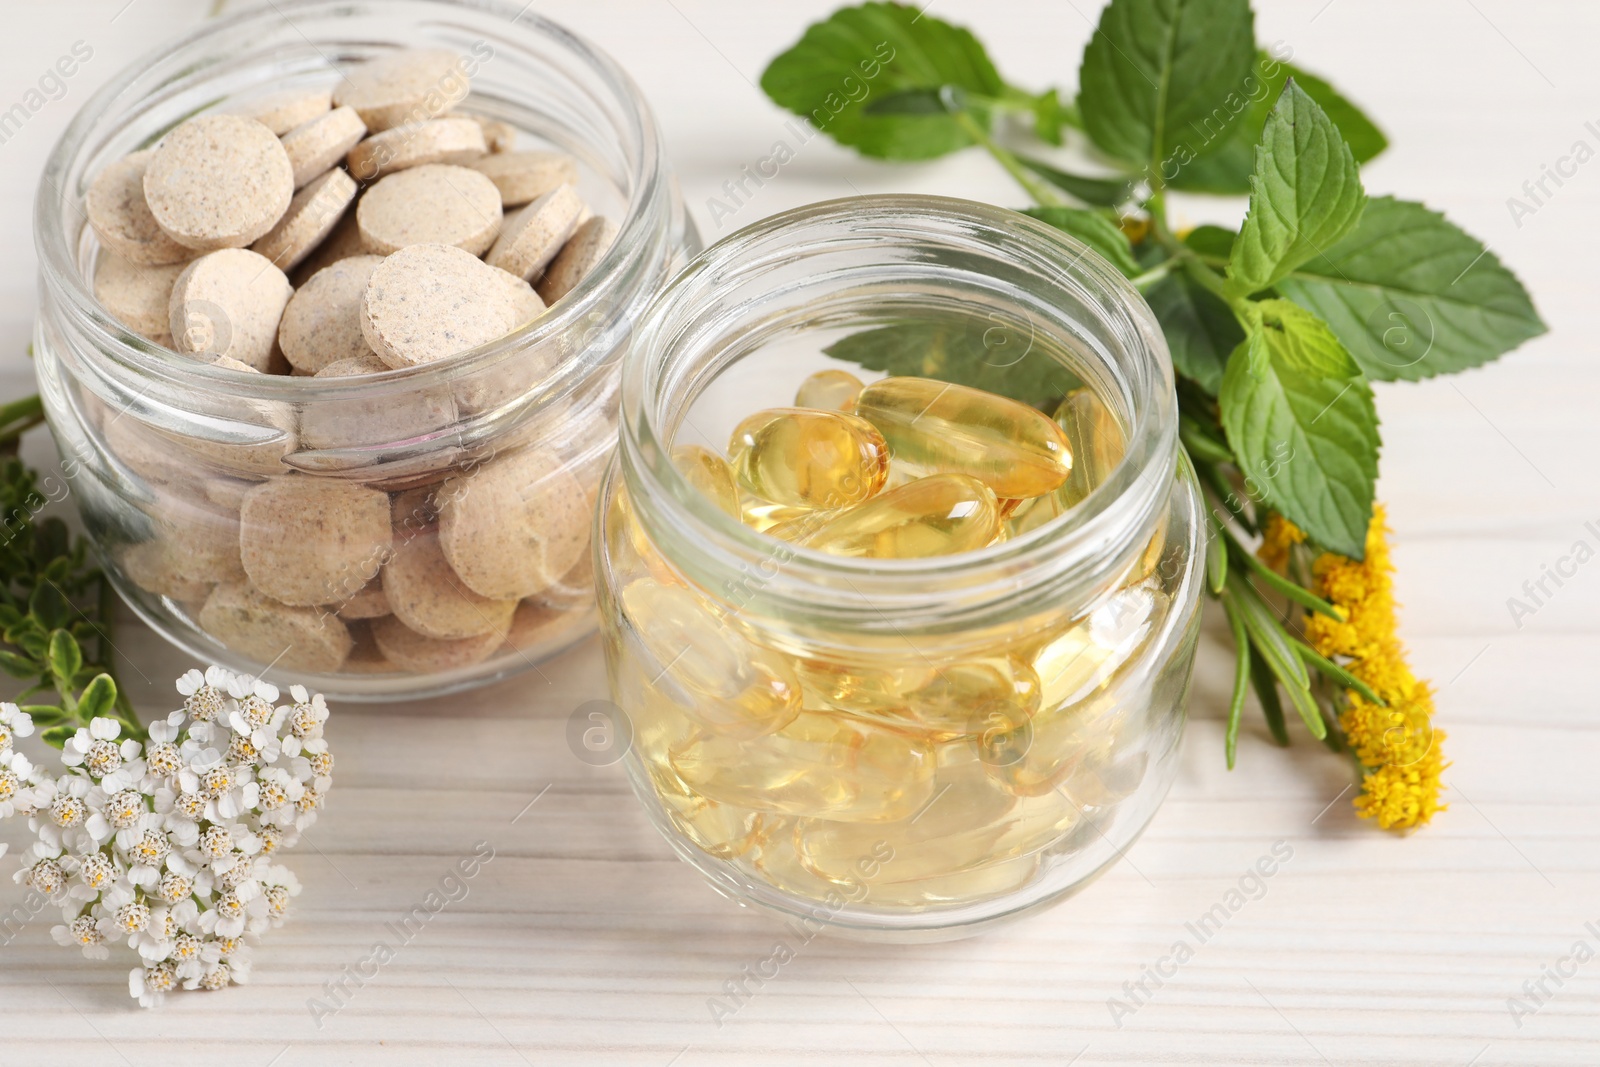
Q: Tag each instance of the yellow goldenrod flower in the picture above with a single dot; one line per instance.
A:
(1279, 536)
(1396, 744)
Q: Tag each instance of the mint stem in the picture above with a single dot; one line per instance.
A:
(1042, 194)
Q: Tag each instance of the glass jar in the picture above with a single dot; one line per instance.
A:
(843, 804)
(161, 450)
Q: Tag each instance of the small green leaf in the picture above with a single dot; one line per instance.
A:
(997, 357)
(1216, 554)
(66, 658)
(49, 606)
(1214, 242)
(1201, 329)
(58, 736)
(1094, 230)
(99, 697)
(1156, 69)
(44, 714)
(1098, 192)
(1300, 418)
(17, 666)
(1226, 169)
(51, 541)
(857, 56)
(1411, 295)
(1241, 677)
(1265, 683)
(1049, 116)
(1305, 195)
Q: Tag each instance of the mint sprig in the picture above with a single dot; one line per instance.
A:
(1275, 330)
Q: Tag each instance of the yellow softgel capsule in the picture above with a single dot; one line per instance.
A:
(810, 459)
(975, 698)
(819, 765)
(830, 390)
(709, 473)
(857, 686)
(939, 515)
(981, 883)
(718, 830)
(1096, 440)
(939, 427)
(1082, 658)
(726, 682)
(971, 822)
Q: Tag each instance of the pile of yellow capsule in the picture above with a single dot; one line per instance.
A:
(892, 773)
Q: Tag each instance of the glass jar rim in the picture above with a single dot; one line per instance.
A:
(1074, 555)
(646, 213)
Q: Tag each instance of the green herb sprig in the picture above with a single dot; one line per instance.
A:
(1276, 329)
(56, 606)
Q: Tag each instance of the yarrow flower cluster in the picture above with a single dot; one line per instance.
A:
(167, 845)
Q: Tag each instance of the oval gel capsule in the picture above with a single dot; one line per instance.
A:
(709, 473)
(939, 515)
(812, 459)
(939, 427)
(830, 390)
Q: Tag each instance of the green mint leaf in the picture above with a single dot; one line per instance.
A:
(844, 65)
(1099, 192)
(1154, 67)
(1201, 329)
(1225, 166)
(1363, 136)
(1411, 295)
(968, 351)
(1213, 241)
(1094, 230)
(66, 658)
(1050, 116)
(1300, 418)
(1305, 195)
(98, 699)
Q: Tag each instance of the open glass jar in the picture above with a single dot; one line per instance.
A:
(163, 450)
(845, 803)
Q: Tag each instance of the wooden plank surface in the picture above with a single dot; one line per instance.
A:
(585, 942)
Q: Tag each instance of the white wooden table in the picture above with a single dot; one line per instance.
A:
(586, 942)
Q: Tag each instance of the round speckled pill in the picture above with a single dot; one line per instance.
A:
(315, 146)
(312, 215)
(152, 566)
(218, 181)
(513, 525)
(576, 258)
(523, 177)
(436, 203)
(344, 242)
(121, 216)
(447, 140)
(532, 237)
(497, 135)
(368, 602)
(322, 323)
(525, 303)
(228, 303)
(282, 111)
(206, 541)
(537, 627)
(366, 418)
(427, 302)
(365, 656)
(405, 86)
(140, 297)
(425, 594)
(308, 541)
(293, 638)
(411, 651)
